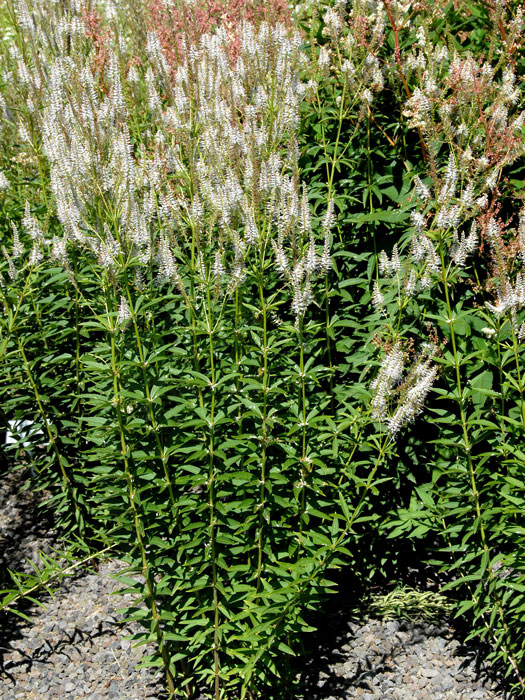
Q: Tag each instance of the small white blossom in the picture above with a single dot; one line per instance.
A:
(390, 373)
(482, 202)
(367, 96)
(492, 179)
(410, 284)
(18, 248)
(489, 332)
(11, 269)
(332, 20)
(420, 383)
(58, 249)
(418, 221)
(218, 269)
(493, 232)
(421, 189)
(324, 59)
(281, 260)
(35, 256)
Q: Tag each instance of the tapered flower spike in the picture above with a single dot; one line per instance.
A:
(411, 284)
(58, 249)
(414, 399)
(377, 297)
(395, 260)
(329, 217)
(35, 256)
(218, 269)
(31, 225)
(418, 221)
(281, 260)
(384, 264)
(325, 261)
(11, 269)
(124, 313)
(390, 373)
(18, 248)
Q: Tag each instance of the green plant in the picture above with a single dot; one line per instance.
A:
(200, 314)
(189, 260)
(409, 603)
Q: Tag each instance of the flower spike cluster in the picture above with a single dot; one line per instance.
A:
(216, 168)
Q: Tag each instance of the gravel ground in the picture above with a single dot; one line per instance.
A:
(398, 660)
(76, 647)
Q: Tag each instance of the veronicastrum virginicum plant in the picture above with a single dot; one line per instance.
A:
(467, 112)
(354, 146)
(464, 107)
(185, 245)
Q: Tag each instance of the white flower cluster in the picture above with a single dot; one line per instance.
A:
(510, 296)
(445, 227)
(467, 103)
(389, 375)
(417, 109)
(417, 385)
(408, 393)
(352, 57)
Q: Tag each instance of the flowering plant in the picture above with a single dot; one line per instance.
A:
(240, 260)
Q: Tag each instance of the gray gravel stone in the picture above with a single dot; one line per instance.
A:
(429, 672)
(65, 653)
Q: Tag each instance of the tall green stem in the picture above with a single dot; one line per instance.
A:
(323, 562)
(163, 456)
(518, 371)
(238, 349)
(304, 459)
(211, 497)
(264, 427)
(466, 441)
(134, 503)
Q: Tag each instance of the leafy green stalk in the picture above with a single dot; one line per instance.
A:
(135, 507)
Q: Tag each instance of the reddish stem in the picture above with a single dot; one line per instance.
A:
(397, 55)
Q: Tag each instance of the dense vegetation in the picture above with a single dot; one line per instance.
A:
(262, 297)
